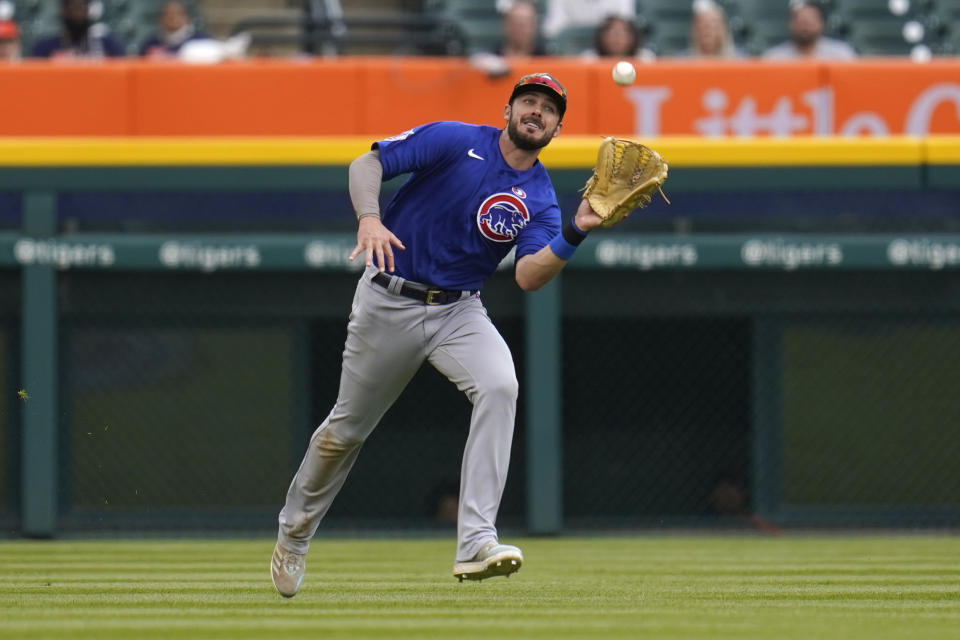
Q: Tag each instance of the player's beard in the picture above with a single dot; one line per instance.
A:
(524, 141)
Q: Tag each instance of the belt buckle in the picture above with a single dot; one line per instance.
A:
(432, 294)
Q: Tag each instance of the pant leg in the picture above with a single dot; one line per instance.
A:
(472, 354)
(384, 349)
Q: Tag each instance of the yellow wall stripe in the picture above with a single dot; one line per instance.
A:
(943, 150)
(570, 152)
(87, 152)
(757, 152)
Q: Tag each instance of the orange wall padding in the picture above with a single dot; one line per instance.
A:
(383, 95)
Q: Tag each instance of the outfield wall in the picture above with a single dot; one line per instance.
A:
(172, 377)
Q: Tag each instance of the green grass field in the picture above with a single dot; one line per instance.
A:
(691, 587)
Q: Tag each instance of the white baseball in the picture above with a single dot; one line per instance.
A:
(624, 73)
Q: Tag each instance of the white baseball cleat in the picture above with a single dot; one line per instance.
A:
(286, 570)
(492, 560)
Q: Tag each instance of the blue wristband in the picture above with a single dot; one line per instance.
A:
(561, 248)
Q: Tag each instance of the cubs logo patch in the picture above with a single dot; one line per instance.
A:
(501, 217)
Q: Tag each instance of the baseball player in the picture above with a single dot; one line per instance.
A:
(473, 193)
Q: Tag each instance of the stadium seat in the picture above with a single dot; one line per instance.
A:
(877, 28)
(879, 37)
(946, 13)
(27, 9)
(763, 24)
(766, 10)
(479, 21)
(482, 34)
(668, 38)
(667, 24)
(34, 18)
(669, 10)
(866, 9)
(468, 9)
(574, 40)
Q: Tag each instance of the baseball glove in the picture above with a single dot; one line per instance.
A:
(624, 178)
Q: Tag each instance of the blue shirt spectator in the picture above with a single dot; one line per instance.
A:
(175, 29)
(79, 37)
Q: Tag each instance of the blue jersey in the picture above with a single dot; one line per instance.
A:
(463, 207)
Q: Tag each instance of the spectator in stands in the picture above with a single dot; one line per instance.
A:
(807, 41)
(521, 38)
(710, 35)
(444, 501)
(174, 28)
(619, 37)
(729, 495)
(79, 37)
(9, 41)
(562, 14)
(521, 31)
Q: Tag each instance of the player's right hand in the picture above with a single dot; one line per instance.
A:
(586, 218)
(374, 238)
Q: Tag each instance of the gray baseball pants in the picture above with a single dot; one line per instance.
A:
(388, 338)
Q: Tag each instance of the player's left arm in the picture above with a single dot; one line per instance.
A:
(534, 270)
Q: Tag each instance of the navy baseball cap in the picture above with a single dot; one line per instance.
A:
(544, 83)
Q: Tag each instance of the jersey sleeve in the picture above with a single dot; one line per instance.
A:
(418, 148)
(540, 231)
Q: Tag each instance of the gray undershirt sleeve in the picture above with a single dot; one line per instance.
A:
(365, 175)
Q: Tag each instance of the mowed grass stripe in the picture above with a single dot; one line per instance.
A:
(878, 586)
(505, 626)
(684, 587)
(352, 617)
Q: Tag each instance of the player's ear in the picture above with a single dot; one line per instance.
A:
(556, 131)
(506, 113)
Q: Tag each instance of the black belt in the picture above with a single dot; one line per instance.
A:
(421, 292)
